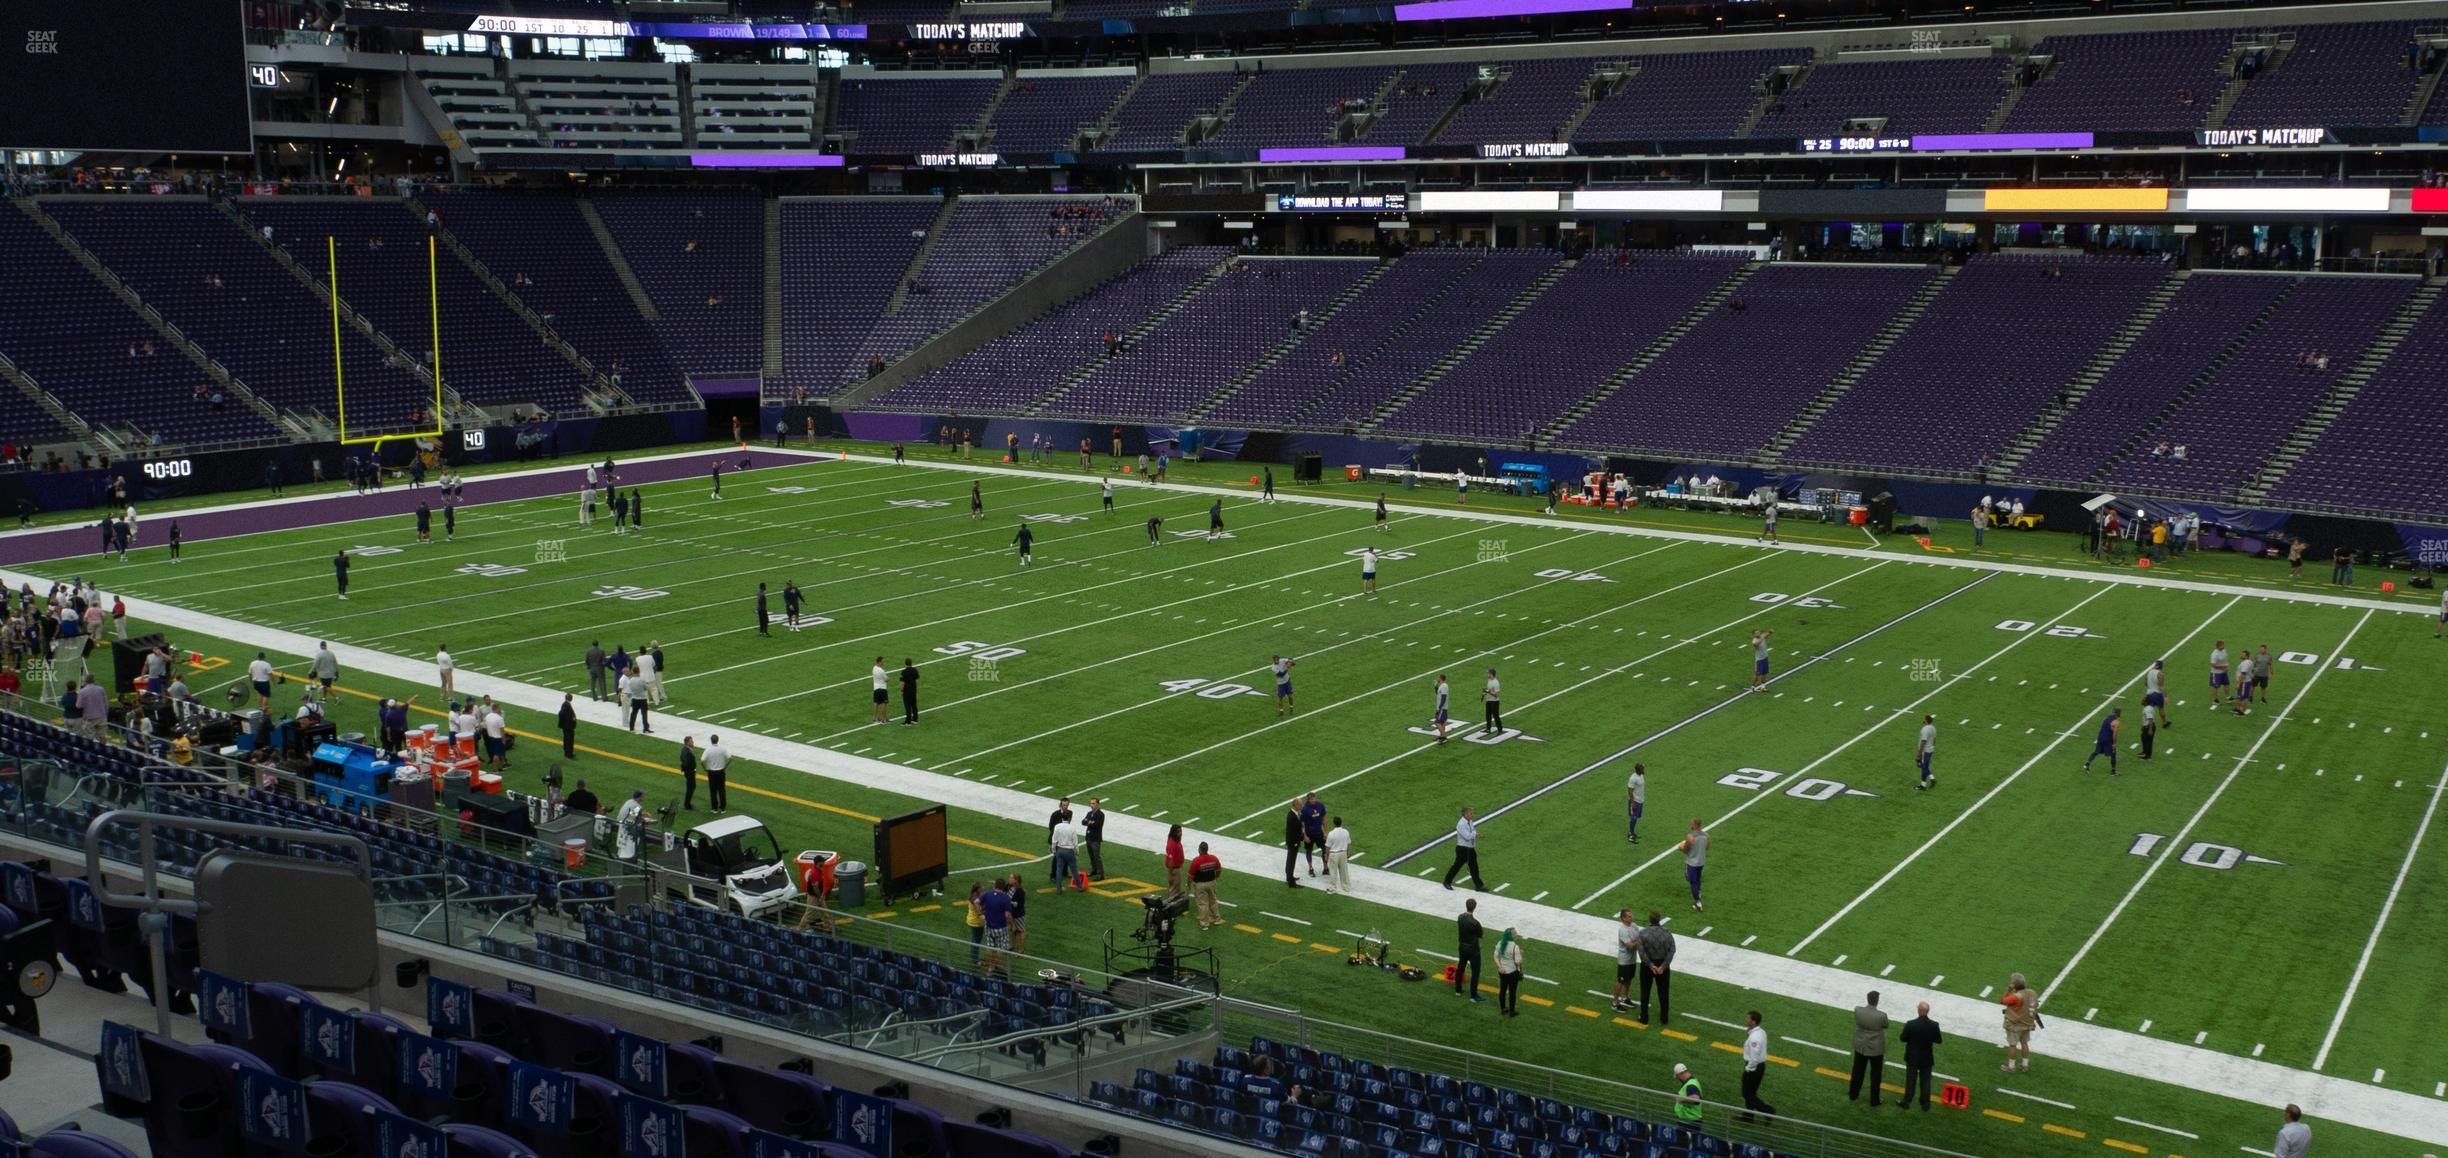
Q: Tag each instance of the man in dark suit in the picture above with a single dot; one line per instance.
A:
(1869, 1048)
(1466, 952)
(1095, 823)
(1921, 1040)
(569, 727)
(1294, 834)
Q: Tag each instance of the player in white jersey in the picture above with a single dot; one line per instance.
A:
(1282, 667)
(1368, 570)
(2218, 674)
(2244, 687)
(1926, 749)
(1444, 697)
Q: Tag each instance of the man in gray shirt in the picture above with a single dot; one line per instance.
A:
(1657, 950)
(93, 707)
(1627, 957)
(2294, 1138)
(326, 669)
(1869, 1048)
(595, 671)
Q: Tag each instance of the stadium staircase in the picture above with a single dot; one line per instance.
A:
(1129, 338)
(1361, 122)
(1649, 353)
(600, 381)
(918, 259)
(2427, 86)
(620, 265)
(1104, 125)
(2243, 334)
(2005, 108)
(981, 130)
(1395, 336)
(1470, 345)
(2278, 45)
(416, 367)
(1208, 124)
(2089, 376)
(1769, 96)
(1860, 365)
(1290, 342)
(67, 419)
(2383, 347)
(1593, 88)
(773, 289)
(211, 369)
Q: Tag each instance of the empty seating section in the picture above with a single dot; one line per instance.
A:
(1945, 95)
(1298, 106)
(912, 112)
(700, 255)
(1529, 100)
(205, 275)
(1937, 400)
(80, 342)
(1014, 370)
(1685, 96)
(2232, 424)
(1278, 395)
(1469, 302)
(1048, 114)
(2335, 74)
(2395, 421)
(1165, 104)
(1729, 385)
(600, 104)
(480, 105)
(567, 279)
(1551, 357)
(2162, 81)
(987, 246)
(2200, 322)
(1214, 337)
(1418, 100)
(489, 353)
(1365, 1109)
(841, 258)
(755, 106)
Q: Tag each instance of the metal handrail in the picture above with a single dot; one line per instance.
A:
(1119, 1015)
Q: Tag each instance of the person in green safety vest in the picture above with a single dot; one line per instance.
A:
(1687, 1095)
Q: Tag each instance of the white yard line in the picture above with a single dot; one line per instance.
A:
(1464, 727)
(1840, 749)
(2177, 841)
(2372, 942)
(2000, 786)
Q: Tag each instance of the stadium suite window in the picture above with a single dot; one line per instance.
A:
(448, 43)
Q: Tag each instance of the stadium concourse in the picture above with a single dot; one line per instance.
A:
(2139, 1055)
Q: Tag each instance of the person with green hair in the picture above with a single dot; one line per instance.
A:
(1508, 973)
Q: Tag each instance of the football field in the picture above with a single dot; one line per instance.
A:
(2265, 886)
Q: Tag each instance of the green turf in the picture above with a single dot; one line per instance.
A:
(2015, 862)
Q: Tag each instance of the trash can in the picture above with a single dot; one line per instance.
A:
(573, 852)
(817, 872)
(851, 881)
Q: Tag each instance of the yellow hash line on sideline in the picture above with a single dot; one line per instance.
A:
(1787, 1062)
(1628, 1023)
(1679, 1035)
(2128, 1147)
(2003, 1116)
(1249, 928)
(1285, 937)
(753, 790)
(1825, 1072)
(1581, 1011)
(2054, 1128)
(1727, 1046)
(1324, 948)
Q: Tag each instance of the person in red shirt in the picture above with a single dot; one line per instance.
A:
(1173, 861)
(8, 681)
(1204, 869)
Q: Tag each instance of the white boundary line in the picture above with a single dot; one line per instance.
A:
(2178, 841)
(2373, 942)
